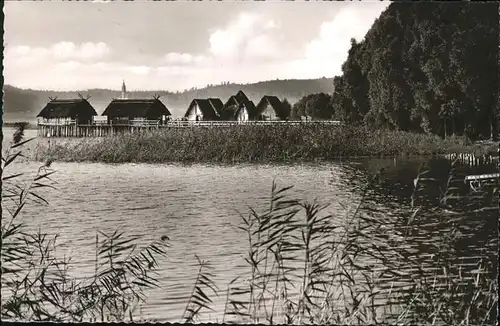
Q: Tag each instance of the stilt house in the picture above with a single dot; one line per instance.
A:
(271, 108)
(67, 111)
(128, 111)
(238, 108)
(204, 110)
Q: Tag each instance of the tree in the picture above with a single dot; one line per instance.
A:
(424, 67)
(316, 105)
(287, 109)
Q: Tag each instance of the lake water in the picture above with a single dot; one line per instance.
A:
(197, 207)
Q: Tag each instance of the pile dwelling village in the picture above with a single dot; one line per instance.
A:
(77, 118)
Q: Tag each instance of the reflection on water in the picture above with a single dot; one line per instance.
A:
(198, 207)
(459, 240)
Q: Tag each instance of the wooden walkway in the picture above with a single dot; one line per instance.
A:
(489, 176)
(71, 129)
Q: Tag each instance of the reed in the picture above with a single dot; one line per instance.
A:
(247, 143)
(439, 293)
(348, 273)
(36, 281)
(199, 299)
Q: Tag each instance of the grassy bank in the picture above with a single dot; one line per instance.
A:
(280, 143)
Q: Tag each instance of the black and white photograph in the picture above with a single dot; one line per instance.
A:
(250, 162)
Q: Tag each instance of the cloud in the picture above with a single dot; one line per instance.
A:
(88, 50)
(249, 48)
(183, 58)
(69, 65)
(66, 65)
(140, 70)
(24, 56)
(58, 52)
(262, 47)
(59, 65)
(325, 54)
(249, 36)
(174, 57)
(335, 35)
(71, 75)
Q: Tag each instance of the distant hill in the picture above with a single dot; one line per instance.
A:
(24, 104)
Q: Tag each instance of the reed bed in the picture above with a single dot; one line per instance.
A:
(302, 267)
(279, 143)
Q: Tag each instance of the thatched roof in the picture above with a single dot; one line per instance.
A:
(206, 107)
(275, 103)
(236, 102)
(216, 104)
(67, 108)
(136, 108)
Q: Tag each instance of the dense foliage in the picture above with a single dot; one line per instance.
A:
(425, 67)
(287, 107)
(315, 105)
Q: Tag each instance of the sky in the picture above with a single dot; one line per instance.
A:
(177, 45)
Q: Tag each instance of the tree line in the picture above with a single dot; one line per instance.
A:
(425, 67)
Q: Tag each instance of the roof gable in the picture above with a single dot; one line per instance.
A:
(275, 103)
(205, 106)
(232, 101)
(241, 96)
(233, 105)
